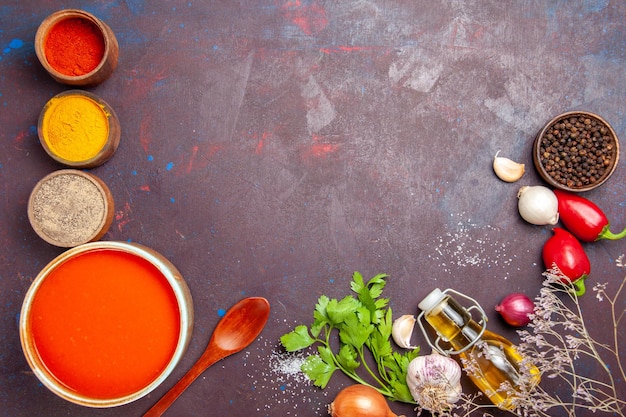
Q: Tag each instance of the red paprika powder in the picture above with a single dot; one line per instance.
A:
(74, 46)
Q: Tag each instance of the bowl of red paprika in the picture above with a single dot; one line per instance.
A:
(76, 48)
(576, 151)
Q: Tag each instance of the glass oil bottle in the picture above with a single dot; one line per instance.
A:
(491, 361)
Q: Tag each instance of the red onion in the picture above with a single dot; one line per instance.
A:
(515, 308)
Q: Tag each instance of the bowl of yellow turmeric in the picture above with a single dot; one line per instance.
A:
(78, 129)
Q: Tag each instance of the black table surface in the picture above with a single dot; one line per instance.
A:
(271, 148)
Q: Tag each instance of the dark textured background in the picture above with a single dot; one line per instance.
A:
(273, 147)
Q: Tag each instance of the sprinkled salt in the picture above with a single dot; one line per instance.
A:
(471, 245)
(278, 374)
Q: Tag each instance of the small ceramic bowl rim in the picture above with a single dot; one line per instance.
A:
(185, 306)
(60, 16)
(537, 149)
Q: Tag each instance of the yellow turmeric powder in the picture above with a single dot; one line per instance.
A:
(74, 127)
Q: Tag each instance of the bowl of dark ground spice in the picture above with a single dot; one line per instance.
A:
(576, 151)
(69, 207)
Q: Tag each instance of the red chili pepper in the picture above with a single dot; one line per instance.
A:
(583, 218)
(567, 253)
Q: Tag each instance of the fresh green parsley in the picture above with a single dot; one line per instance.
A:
(359, 328)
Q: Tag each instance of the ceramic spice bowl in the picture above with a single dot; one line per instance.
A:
(76, 48)
(576, 151)
(79, 129)
(69, 207)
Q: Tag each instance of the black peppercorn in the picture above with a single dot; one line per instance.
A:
(576, 150)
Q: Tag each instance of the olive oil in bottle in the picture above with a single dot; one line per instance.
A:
(491, 361)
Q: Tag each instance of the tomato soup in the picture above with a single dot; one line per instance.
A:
(105, 323)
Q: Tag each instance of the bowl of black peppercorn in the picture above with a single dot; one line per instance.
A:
(576, 151)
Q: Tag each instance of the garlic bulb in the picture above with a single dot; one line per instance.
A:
(538, 205)
(434, 381)
(507, 169)
(402, 329)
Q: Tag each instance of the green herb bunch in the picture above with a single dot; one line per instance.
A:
(362, 327)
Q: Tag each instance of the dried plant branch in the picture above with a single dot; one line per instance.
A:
(559, 344)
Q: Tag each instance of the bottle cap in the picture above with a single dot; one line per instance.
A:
(431, 300)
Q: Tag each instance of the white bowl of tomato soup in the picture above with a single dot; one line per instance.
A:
(104, 323)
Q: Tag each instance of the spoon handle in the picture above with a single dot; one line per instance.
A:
(170, 396)
(236, 330)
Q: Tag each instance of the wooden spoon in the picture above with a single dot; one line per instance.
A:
(236, 330)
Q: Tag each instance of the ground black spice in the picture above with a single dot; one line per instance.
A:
(67, 208)
(577, 151)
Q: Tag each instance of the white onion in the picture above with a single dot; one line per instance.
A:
(515, 308)
(538, 205)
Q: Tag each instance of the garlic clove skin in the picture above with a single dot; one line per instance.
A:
(506, 169)
(402, 329)
(435, 382)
